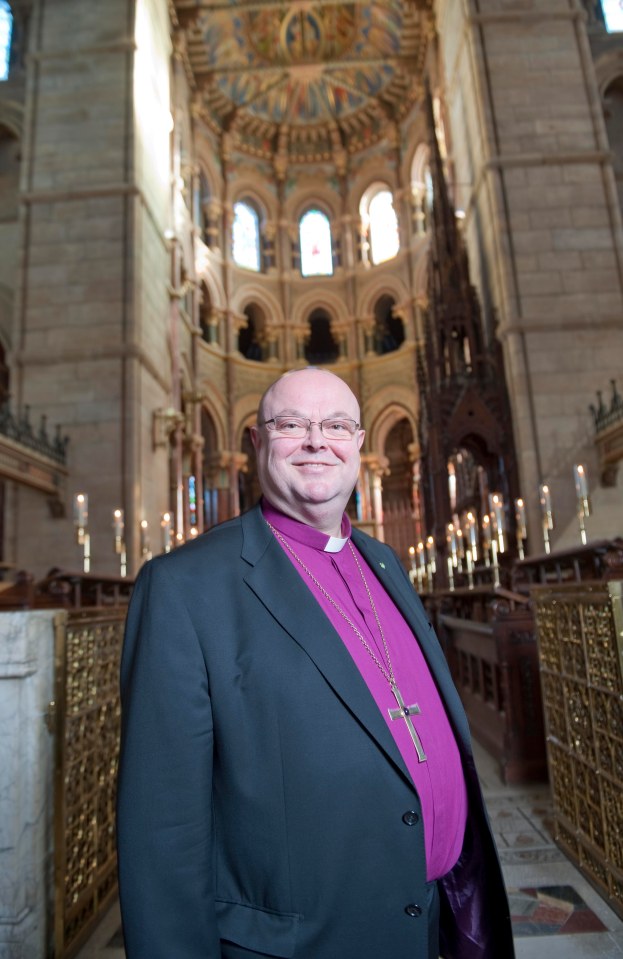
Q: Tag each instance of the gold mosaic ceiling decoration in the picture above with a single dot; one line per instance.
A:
(303, 79)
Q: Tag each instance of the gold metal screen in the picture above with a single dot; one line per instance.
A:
(87, 713)
(580, 635)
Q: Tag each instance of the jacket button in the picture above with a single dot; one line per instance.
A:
(413, 910)
(410, 818)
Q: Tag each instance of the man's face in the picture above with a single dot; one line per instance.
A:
(309, 477)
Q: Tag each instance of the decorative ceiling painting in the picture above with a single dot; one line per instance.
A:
(304, 79)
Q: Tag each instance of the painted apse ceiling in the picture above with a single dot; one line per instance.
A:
(303, 81)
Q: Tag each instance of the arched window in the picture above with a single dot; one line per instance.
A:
(250, 336)
(320, 346)
(613, 15)
(246, 236)
(384, 242)
(389, 331)
(315, 240)
(379, 225)
(6, 28)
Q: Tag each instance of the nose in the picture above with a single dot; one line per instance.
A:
(314, 438)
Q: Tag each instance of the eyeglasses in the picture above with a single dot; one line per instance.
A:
(333, 428)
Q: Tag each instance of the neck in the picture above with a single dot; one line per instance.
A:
(326, 521)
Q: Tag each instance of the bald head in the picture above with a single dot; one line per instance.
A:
(308, 477)
(308, 375)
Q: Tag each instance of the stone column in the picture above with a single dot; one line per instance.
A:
(26, 782)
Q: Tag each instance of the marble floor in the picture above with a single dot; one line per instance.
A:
(556, 913)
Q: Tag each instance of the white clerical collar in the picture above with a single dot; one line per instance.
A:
(335, 544)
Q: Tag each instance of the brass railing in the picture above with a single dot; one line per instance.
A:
(86, 716)
(580, 636)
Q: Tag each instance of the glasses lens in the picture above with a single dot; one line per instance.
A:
(291, 425)
(338, 429)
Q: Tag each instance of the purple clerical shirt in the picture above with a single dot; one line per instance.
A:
(439, 780)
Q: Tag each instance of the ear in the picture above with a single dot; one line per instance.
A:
(360, 438)
(256, 437)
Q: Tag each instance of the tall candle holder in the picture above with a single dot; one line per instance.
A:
(520, 521)
(118, 527)
(547, 516)
(81, 524)
(581, 492)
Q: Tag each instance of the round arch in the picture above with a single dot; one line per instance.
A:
(383, 421)
(249, 293)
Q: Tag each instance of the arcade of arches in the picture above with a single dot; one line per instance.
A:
(412, 194)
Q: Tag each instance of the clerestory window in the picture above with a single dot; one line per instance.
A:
(246, 236)
(379, 225)
(315, 241)
(613, 15)
(6, 29)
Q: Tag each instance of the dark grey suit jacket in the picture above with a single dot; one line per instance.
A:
(262, 798)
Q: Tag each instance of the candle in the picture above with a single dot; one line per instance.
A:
(412, 556)
(117, 523)
(81, 510)
(581, 482)
(165, 525)
(144, 529)
(452, 544)
(460, 543)
(432, 553)
(421, 555)
(520, 518)
(472, 535)
(498, 517)
(546, 506)
(486, 531)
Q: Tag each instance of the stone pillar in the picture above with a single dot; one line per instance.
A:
(375, 467)
(91, 310)
(26, 782)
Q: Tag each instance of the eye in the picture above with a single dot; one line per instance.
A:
(338, 427)
(289, 424)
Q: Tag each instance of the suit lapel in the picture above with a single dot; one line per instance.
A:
(282, 591)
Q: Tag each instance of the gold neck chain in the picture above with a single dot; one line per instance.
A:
(403, 711)
(386, 670)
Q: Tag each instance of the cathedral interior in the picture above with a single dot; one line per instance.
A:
(424, 197)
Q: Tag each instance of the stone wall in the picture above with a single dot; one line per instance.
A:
(543, 223)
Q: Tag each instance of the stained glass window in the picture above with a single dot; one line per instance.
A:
(6, 25)
(315, 240)
(384, 241)
(246, 236)
(613, 14)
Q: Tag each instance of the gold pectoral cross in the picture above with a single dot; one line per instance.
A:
(405, 712)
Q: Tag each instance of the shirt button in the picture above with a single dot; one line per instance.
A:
(410, 818)
(413, 910)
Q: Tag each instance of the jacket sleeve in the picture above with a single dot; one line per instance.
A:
(164, 822)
